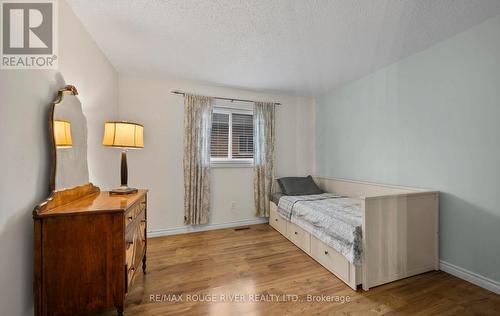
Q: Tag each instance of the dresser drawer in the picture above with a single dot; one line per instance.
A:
(276, 221)
(298, 236)
(330, 259)
(135, 210)
(135, 247)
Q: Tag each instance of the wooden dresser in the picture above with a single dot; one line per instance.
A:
(89, 245)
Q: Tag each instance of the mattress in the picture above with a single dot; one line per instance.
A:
(335, 220)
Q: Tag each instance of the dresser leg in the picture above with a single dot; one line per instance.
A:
(144, 264)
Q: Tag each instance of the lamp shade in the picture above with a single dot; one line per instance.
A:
(62, 134)
(123, 135)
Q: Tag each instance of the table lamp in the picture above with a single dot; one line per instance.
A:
(123, 135)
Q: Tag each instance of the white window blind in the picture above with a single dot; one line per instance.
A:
(232, 135)
(242, 136)
(219, 145)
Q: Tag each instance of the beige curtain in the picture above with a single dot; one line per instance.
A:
(197, 127)
(263, 170)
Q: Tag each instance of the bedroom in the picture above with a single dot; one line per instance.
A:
(376, 100)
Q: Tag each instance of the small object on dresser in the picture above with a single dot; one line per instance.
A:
(123, 135)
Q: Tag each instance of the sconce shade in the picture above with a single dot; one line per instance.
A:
(123, 135)
(62, 134)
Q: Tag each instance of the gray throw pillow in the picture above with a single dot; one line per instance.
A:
(298, 186)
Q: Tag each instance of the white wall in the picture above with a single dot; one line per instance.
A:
(159, 165)
(24, 101)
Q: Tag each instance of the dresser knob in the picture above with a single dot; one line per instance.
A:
(275, 219)
(130, 218)
(326, 252)
(296, 233)
(143, 221)
(132, 269)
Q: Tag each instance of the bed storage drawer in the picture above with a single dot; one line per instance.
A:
(298, 236)
(276, 221)
(330, 259)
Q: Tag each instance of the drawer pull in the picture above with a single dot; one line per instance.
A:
(296, 233)
(275, 219)
(326, 252)
(143, 221)
(132, 269)
(130, 218)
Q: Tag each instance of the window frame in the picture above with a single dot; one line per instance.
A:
(230, 161)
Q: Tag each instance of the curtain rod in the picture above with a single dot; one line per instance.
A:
(221, 98)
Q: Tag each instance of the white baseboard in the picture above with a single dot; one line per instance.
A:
(470, 276)
(201, 228)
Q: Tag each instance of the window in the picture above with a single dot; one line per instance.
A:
(232, 136)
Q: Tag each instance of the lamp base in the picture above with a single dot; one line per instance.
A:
(122, 191)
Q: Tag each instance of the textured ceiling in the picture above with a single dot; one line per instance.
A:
(304, 47)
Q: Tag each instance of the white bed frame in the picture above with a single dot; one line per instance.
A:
(400, 233)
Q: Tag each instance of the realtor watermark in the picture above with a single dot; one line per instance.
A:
(29, 34)
(245, 298)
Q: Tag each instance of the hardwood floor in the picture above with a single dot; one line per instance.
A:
(259, 260)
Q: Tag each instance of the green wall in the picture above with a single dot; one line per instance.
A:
(431, 120)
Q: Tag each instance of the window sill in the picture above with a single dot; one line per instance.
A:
(231, 164)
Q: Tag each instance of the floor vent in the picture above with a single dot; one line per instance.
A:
(241, 228)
